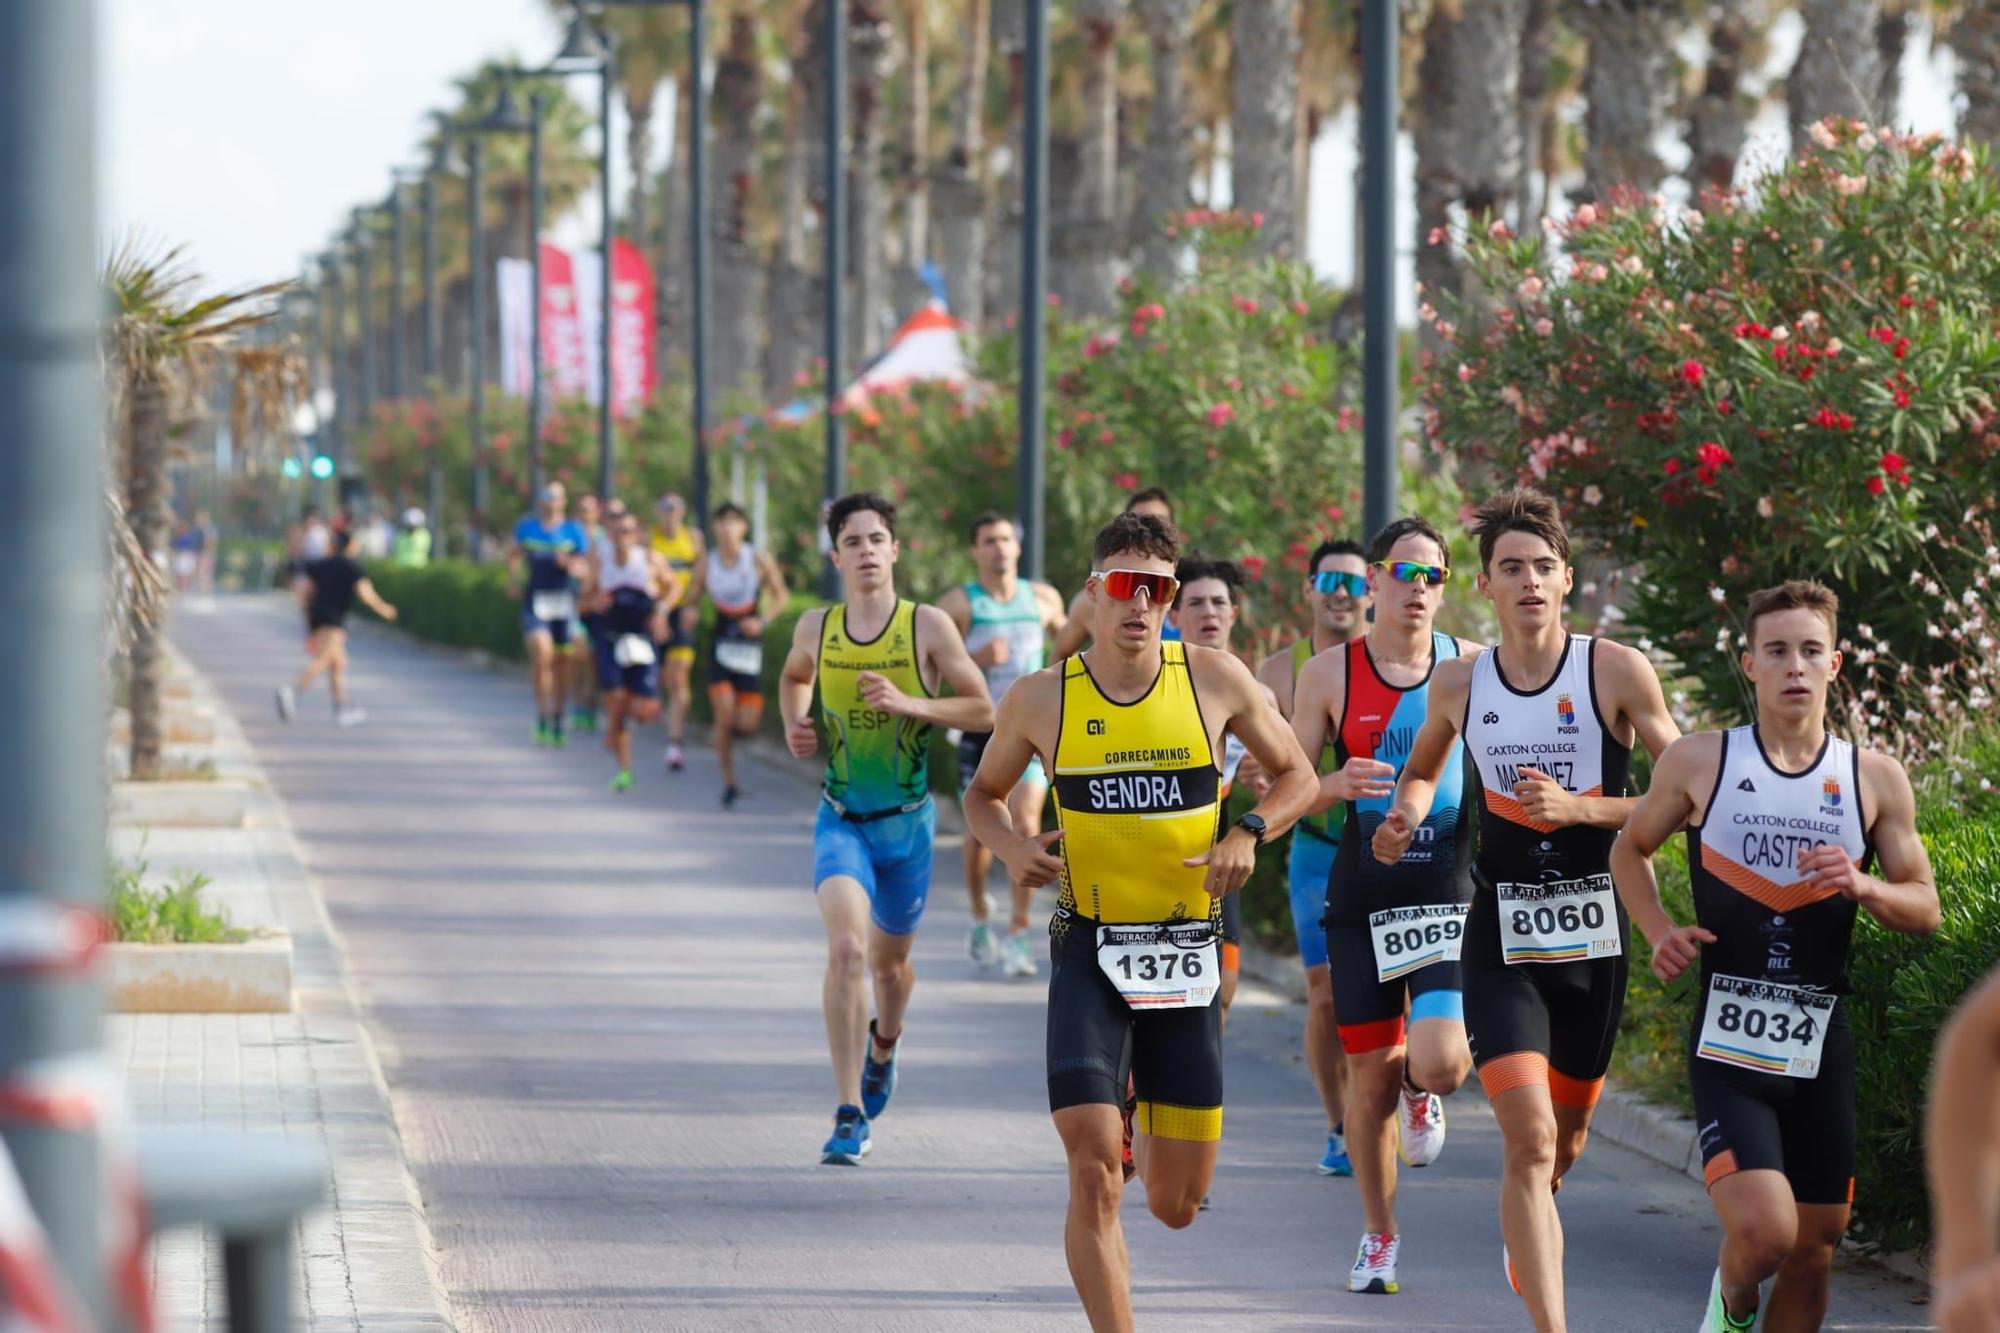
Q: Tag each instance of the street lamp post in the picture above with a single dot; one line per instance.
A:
(698, 207)
(398, 257)
(342, 366)
(1378, 288)
(1033, 319)
(535, 292)
(476, 412)
(433, 347)
(835, 189)
(364, 304)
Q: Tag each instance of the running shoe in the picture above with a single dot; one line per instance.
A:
(849, 1143)
(349, 715)
(543, 736)
(1374, 1268)
(878, 1081)
(729, 795)
(556, 736)
(1017, 958)
(1202, 1207)
(288, 703)
(676, 759)
(1125, 1113)
(583, 719)
(981, 947)
(1335, 1163)
(1420, 1127)
(622, 782)
(1718, 1319)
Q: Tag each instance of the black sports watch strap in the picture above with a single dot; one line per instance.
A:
(1253, 824)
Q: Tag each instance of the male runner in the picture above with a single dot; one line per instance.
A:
(593, 518)
(1783, 820)
(746, 589)
(1075, 633)
(1549, 719)
(1006, 621)
(1393, 932)
(1962, 1143)
(630, 594)
(1337, 591)
(1132, 731)
(878, 660)
(681, 544)
(328, 588)
(550, 546)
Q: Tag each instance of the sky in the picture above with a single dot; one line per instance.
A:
(246, 129)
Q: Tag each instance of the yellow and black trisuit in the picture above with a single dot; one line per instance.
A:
(1137, 793)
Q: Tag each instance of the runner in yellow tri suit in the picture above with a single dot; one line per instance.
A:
(683, 548)
(1131, 732)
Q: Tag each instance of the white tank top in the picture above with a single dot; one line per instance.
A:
(635, 572)
(733, 589)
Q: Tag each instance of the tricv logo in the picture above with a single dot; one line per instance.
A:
(1490, 718)
(1094, 726)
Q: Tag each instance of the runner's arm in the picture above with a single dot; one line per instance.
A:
(778, 596)
(1451, 681)
(1904, 896)
(373, 600)
(671, 585)
(1265, 735)
(1962, 1143)
(1054, 614)
(1658, 815)
(969, 707)
(1029, 860)
(514, 570)
(1075, 631)
(958, 607)
(1275, 672)
(795, 684)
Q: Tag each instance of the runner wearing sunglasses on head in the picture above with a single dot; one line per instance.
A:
(1132, 732)
(1783, 821)
(1548, 720)
(1337, 593)
(1393, 932)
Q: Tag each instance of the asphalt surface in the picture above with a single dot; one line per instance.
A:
(599, 1017)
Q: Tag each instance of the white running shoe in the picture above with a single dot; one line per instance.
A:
(1017, 958)
(288, 703)
(676, 759)
(982, 947)
(1420, 1127)
(350, 716)
(1374, 1268)
(1718, 1319)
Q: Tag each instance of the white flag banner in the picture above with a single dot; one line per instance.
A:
(515, 280)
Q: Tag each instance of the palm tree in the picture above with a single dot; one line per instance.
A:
(1626, 86)
(871, 46)
(1164, 165)
(1975, 41)
(1262, 133)
(914, 242)
(739, 276)
(1718, 116)
(1327, 81)
(1839, 69)
(164, 342)
(958, 187)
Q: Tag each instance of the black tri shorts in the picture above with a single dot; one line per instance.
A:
(1174, 1056)
(1539, 1021)
(1804, 1127)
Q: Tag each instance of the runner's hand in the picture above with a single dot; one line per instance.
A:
(1678, 949)
(1827, 867)
(878, 691)
(1253, 777)
(388, 613)
(1029, 861)
(1360, 779)
(991, 655)
(801, 739)
(1970, 1302)
(1544, 800)
(751, 626)
(1229, 863)
(1392, 836)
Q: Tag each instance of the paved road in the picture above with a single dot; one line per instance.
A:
(600, 1022)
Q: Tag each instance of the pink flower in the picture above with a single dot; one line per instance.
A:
(1104, 437)
(1530, 288)
(1055, 300)
(1300, 308)
(1437, 236)
(1592, 496)
(1253, 567)
(1822, 134)
(1221, 414)
(1126, 481)
(1544, 327)
(1586, 215)
(1336, 513)
(1849, 184)
(1693, 373)
(1764, 506)
(1500, 231)
(1464, 373)
(1063, 437)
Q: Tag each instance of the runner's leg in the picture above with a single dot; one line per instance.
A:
(316, 658)
(1177, 1174)
(1324, 1059)
(541, 659)
(617, 738)
(1374, 1081)
(336, 663)
(1528, 1219)
(679, 672)
(1760, 1226)
(1799, 1295)
(722, 734)
(894, 978)
(1093, 1238)
(843, 907)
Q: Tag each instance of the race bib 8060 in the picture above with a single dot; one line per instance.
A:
(1563, 921)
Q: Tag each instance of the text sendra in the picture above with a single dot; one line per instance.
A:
(1139, 792)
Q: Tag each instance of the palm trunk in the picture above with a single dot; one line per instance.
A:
(1838, 72)
(958, 185)
(788, 341)
(739, 277)
(916, 158)
(147, 510)
(1003, 238)
(1537, 41)
(675, 283)
(1975, 40)
(1163, 162)
(1718, 120)
(1262, 136)
(869, 39)
(639, 154)
(1625, 92)
(1892, 34)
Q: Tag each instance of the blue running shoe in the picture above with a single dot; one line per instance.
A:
(849, 1143)
(878, 1081)
(1335, 1162)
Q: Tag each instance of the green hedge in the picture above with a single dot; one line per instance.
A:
(1904, 987)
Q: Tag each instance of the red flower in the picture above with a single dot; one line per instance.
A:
(1693, 373)
(1905, 300)
(1671, 467)
(1875, 486)
(1902, 398)
(1104, 437)
(1725, 407)
(1712, 455)
(1751, 331)
(1253, 566)
(1221, 414)
(1883, 335)
(1893, 462)
(1899, 347)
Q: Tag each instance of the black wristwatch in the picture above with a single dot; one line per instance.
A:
(1253, 824)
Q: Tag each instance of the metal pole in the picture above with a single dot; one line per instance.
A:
(698, 206)
(51, 820)
(1033, 321)
(343, 364)
(433, 353)
(836, 259)
(535, 293)
(364, 304)
(478, 313)
(399, 350)
(1378, 288)
(607, 459)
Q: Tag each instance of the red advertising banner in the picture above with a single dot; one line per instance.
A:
(634, 368)
(566, 341)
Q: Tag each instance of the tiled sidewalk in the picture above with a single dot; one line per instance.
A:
(364, 1260)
